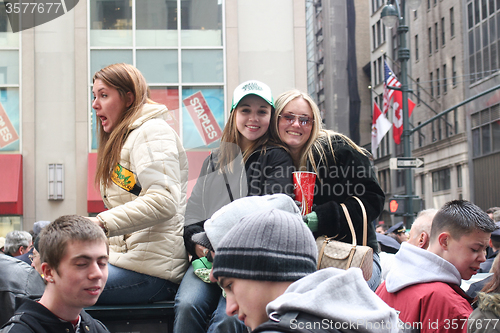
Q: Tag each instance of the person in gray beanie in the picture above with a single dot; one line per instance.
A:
(266, 264)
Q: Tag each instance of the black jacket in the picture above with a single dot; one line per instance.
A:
(267, 172)
(32, 317)
(18, 281)
(346, 172)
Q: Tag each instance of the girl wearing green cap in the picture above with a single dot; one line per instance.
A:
(248, 162)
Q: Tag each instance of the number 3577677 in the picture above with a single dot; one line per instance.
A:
(32, 7)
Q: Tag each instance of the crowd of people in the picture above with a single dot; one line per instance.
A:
(238, 254)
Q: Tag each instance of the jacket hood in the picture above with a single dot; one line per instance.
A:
(341, 297)
(149, 111)
(489, 302)
(413, 265)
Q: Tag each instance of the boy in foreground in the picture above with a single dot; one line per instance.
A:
(267, 261)
(425, 285)
(74, 256)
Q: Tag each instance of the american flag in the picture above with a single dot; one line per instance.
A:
(390, 81)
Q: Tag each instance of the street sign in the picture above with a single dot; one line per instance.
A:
(405, 163)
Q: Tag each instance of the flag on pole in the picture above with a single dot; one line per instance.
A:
(390, 80)
(380, 127)
(397, 106)
(397, 116)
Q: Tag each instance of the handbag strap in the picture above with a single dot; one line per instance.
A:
(225, 179)
(365, 221)
(348, 218)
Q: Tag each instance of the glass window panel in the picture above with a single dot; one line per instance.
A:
(110, 23)
(156, 22)
(170, 98)
(486, 62)
(202, 66)
(495, 129)
(215, 101)
(476, 142)
(479, 68)
(476, 12)
(93, 125)
(201, 23)
(9, 67)
(470, 16)
(477, 38)
(158, 66)
(498, 25)
(485, 34)
(9, 98)
(102, 58)
(471, 42)
(485, 138)
(484, 9)
(492, 6)
(7, 38)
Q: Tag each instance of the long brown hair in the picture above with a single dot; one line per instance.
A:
(125, 78)
(319, 136)
(230, 134)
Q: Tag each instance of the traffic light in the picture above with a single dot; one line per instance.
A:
(397, 206)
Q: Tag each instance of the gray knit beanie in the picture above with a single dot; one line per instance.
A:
(271, 245)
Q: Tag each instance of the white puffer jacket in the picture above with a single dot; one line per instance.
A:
(146, 228)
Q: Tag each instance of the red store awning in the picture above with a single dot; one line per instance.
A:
(11, 195)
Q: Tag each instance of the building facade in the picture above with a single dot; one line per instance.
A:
(337, 50)
(436, 76)
(181, 46)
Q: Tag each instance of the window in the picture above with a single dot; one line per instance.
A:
(438, 88)
(374, 37)
(445, 82)
(430, 41)
(454, 71)
(395, 47)
(436, 34)
(459, 176)
(432, 85)
(379, 35)
(442, 31)
(375, 72)
(422, 184)
(400, 178)
(485, 126)
(418, 90)
(441, 180)
(383, 32)
(416, 47)
(381, 70)
(179, 55)
(428, 4)
(452, 22)
(9, 87)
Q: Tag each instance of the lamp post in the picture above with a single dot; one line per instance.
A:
(390, 15)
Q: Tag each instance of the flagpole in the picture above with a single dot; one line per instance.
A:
(388, 15)
(404, 55)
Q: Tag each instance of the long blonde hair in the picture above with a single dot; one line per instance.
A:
(125, 78)
(319, 136)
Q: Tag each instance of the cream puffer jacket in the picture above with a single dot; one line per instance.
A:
(147, 200)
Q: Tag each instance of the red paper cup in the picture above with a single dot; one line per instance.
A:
(303, 188)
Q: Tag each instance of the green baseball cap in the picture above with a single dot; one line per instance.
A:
(252, 87)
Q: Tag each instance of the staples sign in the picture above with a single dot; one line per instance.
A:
(202, 117)
(7, 132)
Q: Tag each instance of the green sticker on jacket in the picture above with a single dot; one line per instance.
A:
(125, 179)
